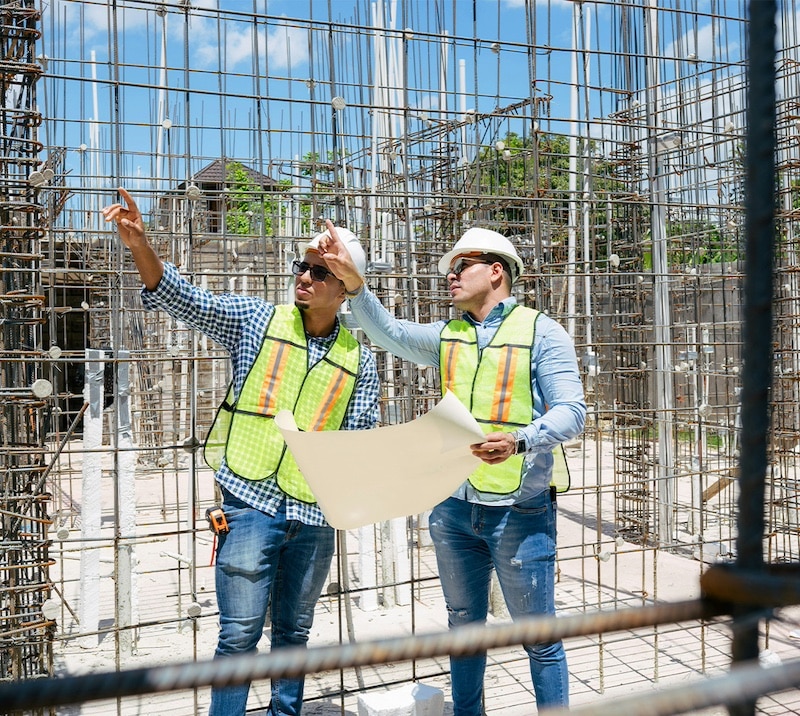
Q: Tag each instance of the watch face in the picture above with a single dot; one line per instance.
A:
(520, 446)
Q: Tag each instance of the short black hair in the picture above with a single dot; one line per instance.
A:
(502, 260)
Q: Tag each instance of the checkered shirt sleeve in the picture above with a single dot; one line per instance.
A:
(238, 323)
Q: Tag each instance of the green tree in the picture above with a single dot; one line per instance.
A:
(249, 206)
(699, 242)
(517, 173)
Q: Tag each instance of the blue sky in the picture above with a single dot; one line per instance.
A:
(274, 72)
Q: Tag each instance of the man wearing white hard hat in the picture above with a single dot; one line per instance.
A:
(516, 370)
(274, 546)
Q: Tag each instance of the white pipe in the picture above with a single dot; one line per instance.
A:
(587, 172)
(161, 112)
(367, 569)
(402, 561)
(462, 97)
(664, 394)
(379, 41)
(443, 77)
(177, 557)
(94, 155)
(572, 223)
(394, 65)
(127, 596)
(91, 502)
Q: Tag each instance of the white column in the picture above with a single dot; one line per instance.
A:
(367, 569)
(89, 609)
(126, 564)
(402, 561)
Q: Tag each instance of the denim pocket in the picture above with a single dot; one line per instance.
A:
(536, 505)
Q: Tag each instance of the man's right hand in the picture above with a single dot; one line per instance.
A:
(129, 221)
(131, 230)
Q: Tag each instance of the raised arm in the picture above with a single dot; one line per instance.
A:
(339, 260)
(131, 231)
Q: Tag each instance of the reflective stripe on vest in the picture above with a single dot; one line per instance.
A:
(245, 432)
(495, 384)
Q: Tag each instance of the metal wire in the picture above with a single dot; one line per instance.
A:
(294, 662)
(743, 683)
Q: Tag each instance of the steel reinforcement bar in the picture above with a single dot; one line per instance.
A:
(293, 662)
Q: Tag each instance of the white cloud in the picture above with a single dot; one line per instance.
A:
(701, 43)
(97, 18)
(91, 23)
(287, 47)
(284, 46)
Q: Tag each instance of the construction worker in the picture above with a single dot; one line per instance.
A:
(516, 370)
(277, 550)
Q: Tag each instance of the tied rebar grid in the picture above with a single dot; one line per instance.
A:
(622, 324)
(25, 633)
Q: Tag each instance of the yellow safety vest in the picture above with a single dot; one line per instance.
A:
(244, 430)
(495, 384)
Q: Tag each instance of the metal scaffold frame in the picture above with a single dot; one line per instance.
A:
(26, 631)
(617, 164)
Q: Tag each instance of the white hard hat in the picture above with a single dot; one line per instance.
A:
(484, 241)
(351, 243)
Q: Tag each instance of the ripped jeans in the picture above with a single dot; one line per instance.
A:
(267, 565)
(519, 542)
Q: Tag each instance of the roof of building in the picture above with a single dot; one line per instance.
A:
(216, 174)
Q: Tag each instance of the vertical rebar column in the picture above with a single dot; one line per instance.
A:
(757, 329)
(25, 633)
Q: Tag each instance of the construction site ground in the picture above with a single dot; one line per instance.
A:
(604, 667)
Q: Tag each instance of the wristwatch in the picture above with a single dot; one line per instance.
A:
(353, 294)
(520, 446)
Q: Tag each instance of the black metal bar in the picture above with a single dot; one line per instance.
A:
(757, 329)
(742, 683)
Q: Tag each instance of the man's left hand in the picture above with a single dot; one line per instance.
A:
(496, 448)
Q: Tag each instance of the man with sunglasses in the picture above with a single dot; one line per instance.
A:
(516, 370)
(277, 550)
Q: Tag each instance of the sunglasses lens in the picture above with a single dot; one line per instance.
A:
(461, 264)
(318, 273)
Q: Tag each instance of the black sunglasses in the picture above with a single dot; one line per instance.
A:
(465, 262)
(318, 273)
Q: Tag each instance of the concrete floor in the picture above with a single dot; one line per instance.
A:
(601, 668)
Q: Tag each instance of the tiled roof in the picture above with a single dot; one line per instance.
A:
(216, 173)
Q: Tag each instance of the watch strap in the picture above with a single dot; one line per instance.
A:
(520, 444)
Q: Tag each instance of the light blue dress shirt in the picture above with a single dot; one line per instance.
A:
(555, 382)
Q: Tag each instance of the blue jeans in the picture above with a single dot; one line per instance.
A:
(520, 543)
(267, 563)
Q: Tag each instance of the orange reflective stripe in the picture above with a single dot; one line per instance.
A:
(503, 389)
(268, 397)
(451, 356)
(333, 391)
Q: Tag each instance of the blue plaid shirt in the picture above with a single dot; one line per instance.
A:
(238, 323)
